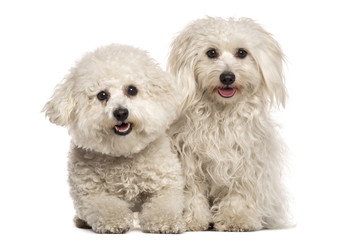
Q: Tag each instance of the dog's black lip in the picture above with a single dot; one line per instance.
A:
(123, 133)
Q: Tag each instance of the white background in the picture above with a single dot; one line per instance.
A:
(40, 41)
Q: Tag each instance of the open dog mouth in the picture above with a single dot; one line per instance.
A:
(226, 92)
(122, 129)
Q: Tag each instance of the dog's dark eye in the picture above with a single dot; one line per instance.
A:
(102, 96)
(212, 53)
(241, 53)
(132, 90)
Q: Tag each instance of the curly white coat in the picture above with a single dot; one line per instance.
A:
(112, 175)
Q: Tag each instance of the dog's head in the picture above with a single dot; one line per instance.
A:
(227, 61)
(116, 100)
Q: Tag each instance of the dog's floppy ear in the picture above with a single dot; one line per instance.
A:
(270, 58)
(60, 107)
(181, 64)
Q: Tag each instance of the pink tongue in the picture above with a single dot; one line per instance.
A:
(226, 92)
(122, 127)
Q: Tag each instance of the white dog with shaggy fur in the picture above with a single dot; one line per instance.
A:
(230, 74)
(117, 104)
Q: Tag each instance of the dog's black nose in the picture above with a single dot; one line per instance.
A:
(227, 78)
(121, 114)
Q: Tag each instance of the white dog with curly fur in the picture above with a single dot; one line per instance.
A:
(230, 72)
(117, 104)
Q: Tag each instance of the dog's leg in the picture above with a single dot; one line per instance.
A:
(162, 212)
(197, 211)
(105, 214)
(235, 214)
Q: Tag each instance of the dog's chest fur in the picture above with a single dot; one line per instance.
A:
(129, 179)
(220, 146)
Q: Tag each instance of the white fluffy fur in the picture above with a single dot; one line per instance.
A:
(229, 147)
(110, 175)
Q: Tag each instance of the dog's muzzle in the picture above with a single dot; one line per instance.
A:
(121, 114)
(227, 78)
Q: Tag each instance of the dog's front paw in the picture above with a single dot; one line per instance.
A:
(162, 224)
(234, 214)
(112, 225)
(200, 222)
(237, 227)
(231, 222)
(197, 226)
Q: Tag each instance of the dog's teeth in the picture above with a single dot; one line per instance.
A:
(121, 129)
